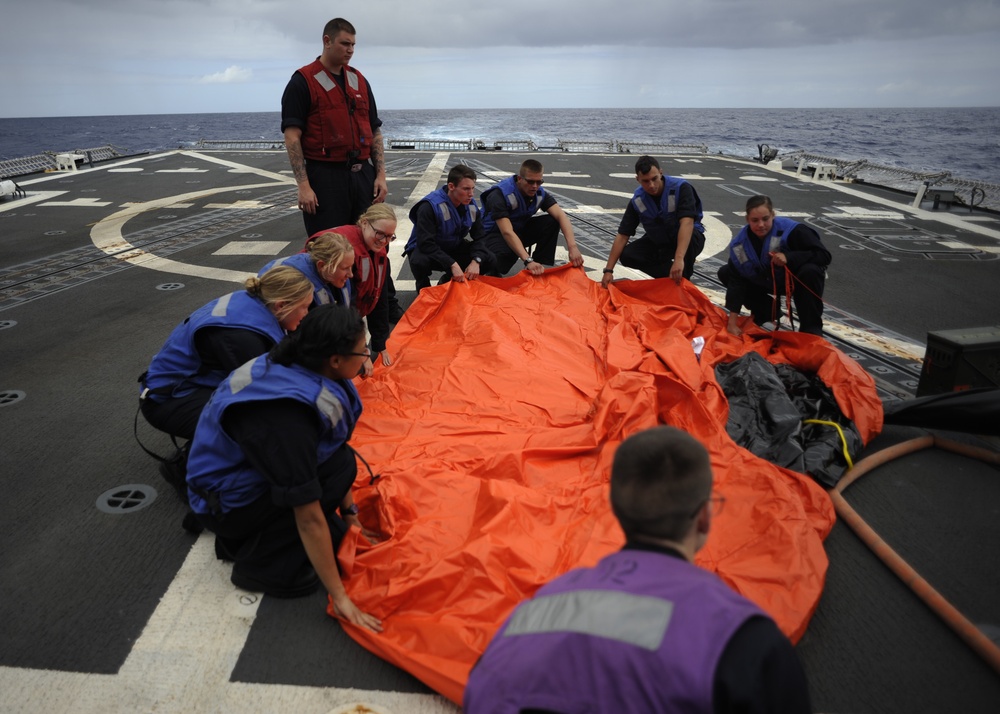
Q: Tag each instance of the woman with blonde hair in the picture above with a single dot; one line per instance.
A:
(328, 262)
(370, 239)
(213, 341)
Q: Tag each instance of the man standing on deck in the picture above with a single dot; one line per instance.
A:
(333, 136)
(670, 213)
(512, 228)
(645, 630)
(448, 232)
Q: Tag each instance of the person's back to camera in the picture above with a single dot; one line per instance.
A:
(645, 630)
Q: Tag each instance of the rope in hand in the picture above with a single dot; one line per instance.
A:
(790, 279)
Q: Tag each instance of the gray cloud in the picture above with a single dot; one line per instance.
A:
(148, 56)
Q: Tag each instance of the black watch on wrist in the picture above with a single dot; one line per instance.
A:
(478, 259)
(351, 510)
(528, 261)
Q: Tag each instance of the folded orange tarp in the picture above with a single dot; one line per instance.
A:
(494, 430)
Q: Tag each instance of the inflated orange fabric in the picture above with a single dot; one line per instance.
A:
(494, 430)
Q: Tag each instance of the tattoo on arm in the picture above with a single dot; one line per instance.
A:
(378, 152)
(296, 159)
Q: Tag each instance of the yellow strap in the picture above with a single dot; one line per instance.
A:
(843, 439)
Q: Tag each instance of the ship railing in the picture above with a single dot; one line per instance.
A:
(102, 153)
(430, 144)
(504, 145)
(52, 161)
(239, 144)
(25, 165)
(594, 146)
(655, 147)
(939, 186)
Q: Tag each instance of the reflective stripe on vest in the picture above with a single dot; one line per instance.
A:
(327, 403)
(328, 84)
(632, 619)
(241, 377)
(222, 306)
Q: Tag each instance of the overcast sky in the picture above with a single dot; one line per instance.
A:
(90, 57)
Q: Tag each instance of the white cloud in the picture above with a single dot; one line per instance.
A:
(231, 75)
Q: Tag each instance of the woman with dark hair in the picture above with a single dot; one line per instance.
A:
(270, 466)
(760, 254)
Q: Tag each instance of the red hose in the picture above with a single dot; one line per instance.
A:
(965, 629)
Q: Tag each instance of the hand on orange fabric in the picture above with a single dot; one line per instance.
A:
(346, 609)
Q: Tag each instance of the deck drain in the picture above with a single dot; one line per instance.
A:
(4, 324)
(126, 499)
(10, 396)
(166, 217)
(170, 286)
(54, 233)
(251, 235)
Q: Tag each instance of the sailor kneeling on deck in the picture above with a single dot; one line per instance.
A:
(669, 210)
(645, 630)
(759, 257)
(448, 233)
(512, 228)
(213, 341)
(270, 466)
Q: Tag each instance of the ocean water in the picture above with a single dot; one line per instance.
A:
(965, 142)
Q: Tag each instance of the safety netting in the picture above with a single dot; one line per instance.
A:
(493, 433)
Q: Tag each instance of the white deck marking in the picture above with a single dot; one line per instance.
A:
(140, 204)
(184, 658)
(186, 170)
(864, 213)
(548, 174)
(31, 198)
(107, 236)
(591, 210)
(79, 203)
(240, 204)
(253, 247)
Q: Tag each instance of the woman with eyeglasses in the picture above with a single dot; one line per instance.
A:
(270, 471)
(370, 239)
(328, 262)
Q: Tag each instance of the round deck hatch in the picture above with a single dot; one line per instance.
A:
(126, 499)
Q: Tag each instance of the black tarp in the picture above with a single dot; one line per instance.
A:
(768, 407)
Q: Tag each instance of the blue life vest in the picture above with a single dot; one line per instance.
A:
(640, 632)
(323, 292)
(520, 208)
(453, 222)
(217, 464)
(177, 369)
(659, 217)
(756, 266)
